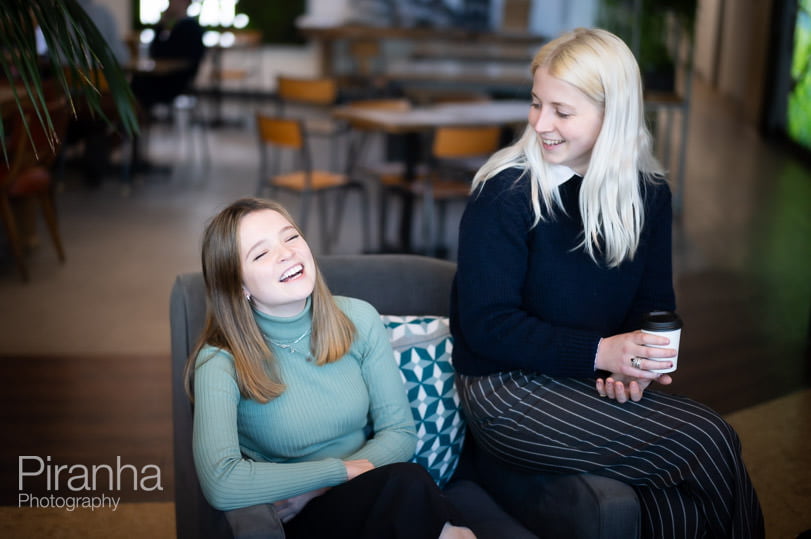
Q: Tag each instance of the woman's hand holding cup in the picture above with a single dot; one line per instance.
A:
(629, 356)
(665, 324)
(626, 354)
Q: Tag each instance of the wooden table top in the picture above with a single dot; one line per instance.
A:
(423, 118)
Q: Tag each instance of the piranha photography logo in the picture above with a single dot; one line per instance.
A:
(81, 486)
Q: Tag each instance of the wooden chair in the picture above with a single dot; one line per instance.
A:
(456, 154)
(311, 98)
(388, 175)
(292, 170)
(359, 142)
(28, 174)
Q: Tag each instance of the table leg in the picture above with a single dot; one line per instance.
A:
(411, 157)
(216, 86)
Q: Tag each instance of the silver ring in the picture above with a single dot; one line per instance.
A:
(635, 363)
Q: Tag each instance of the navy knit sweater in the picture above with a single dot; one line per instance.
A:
(527, 298)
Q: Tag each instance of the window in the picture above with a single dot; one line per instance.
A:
(219, 15)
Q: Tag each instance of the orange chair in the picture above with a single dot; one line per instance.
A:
(456, 154)
(28, 174)
(283, 145)
(311, 99)
(389, 175)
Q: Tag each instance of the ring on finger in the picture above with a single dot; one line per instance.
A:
(636, 363)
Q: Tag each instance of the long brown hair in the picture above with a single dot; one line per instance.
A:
(230, 323)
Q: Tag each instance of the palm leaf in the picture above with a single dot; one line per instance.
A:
(78, 59)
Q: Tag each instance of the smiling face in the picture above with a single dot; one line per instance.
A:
(278, 269)
(566, 121)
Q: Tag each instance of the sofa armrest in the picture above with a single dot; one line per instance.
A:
(482, 514)
(579, 506)
(256, 522)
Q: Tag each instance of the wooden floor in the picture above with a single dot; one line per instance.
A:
(88, 410)
(84, 371)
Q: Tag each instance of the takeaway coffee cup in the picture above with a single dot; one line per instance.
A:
(667, 324)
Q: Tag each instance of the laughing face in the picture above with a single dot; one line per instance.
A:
(278, 270)
(566, 121)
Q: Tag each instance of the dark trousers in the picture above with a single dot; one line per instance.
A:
(682, 458)
(398, 501)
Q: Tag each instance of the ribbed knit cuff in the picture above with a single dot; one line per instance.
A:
(576, 351)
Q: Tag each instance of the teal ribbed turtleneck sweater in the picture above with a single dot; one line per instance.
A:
(247, 453)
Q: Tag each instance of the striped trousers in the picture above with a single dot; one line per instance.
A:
(682, 458)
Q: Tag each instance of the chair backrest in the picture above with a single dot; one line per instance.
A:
(39, 144)
(248, 38)
(459, 142)
(394, 284)
(96, 77)
(283, 148)
(362, 130)
(284, 132)
(311, 91)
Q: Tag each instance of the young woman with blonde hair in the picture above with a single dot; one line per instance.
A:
(564, 245)
(299, 405)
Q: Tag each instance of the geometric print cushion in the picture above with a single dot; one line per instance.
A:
(422, 349)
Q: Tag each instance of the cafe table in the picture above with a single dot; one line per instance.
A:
(414, 121)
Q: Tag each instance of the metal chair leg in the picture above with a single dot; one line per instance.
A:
(304, 210)
(382, 217)
(326, 239)
(340, 203)
(365, 224)
(428, 220)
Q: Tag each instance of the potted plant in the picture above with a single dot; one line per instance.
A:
(78, 59)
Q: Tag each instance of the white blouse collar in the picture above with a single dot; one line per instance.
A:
(561, 174)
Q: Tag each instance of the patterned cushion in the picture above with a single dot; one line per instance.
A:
(422, 348)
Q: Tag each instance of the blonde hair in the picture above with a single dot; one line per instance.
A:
(230, 323)
(602, 67)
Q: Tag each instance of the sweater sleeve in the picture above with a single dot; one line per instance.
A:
(491, 316)
(394, 436)
(227, 478)
(655, 291)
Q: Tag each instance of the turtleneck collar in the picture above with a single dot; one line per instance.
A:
(284, 329)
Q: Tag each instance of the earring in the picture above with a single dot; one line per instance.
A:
(248, 296)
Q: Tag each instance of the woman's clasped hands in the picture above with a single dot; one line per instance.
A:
(625, 356)
(289, 508)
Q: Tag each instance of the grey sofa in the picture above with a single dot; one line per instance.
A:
(572, 506)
